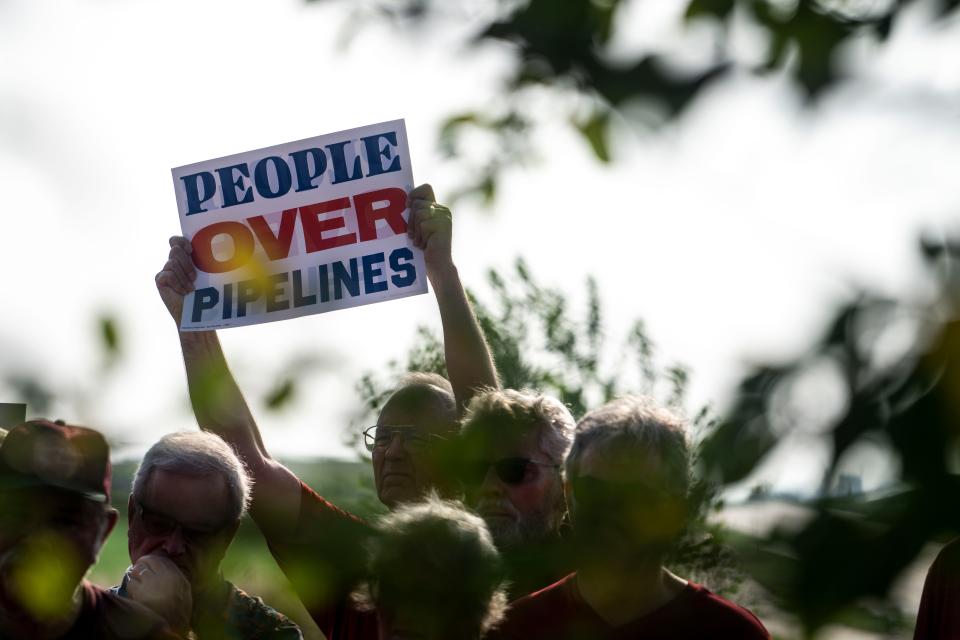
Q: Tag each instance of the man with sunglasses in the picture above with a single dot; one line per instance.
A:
(628, 477)
(318, 546)
(513, 444)
(189, 495)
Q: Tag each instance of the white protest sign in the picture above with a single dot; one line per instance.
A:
(299, 228)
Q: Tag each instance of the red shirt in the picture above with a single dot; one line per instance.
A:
(107, 616)
(324, 558)
(559, 612)
(939, 615)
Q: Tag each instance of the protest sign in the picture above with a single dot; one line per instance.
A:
(299, 228)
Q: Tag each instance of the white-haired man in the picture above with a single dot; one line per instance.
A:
(627, 482)
(189, 495)
(318, 546)
(513, 446)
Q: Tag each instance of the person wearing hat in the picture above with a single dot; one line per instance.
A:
(55, 515)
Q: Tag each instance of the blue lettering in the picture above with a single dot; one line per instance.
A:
(276, 290)
(247, 292)
(203, 300)
(304, 177)
(261, 177)
(376, 154)
(343, 278)
(324, 284)
(230, 184)
(371, 270)
(191, 185)
(300, 300)
(338, 155)
(410, 273)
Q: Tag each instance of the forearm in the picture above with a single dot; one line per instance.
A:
(221, 409)
(217, 401)
(219, 405)
(468, 358)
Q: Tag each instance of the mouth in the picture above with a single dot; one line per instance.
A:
(495, 514)
(397, 477)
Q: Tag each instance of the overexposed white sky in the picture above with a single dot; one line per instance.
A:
(729, 232)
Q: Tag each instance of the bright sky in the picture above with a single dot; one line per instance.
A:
(729, 232)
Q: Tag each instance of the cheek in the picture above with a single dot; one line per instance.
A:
(377, 462)
(140, 544)
(423, 466)
(530, 497)
(88, 543)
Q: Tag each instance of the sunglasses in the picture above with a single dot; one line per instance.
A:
(513, 471)
(413, 440)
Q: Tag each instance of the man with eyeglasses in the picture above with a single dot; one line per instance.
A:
(512, 445)
(319, 546)
(627, 482)
(189, 495)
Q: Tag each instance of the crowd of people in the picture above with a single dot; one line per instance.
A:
(508, 519)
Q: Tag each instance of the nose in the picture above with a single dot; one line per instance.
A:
(491, 487)
(395, 450)
(173, 544)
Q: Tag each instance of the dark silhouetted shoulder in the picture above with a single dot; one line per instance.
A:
(560, 613)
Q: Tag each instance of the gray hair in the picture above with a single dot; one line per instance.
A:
(410, 559)
(525, 408)
(638, 422)
(197, 453)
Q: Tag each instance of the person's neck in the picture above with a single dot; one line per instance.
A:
(533, 565)
(211, 591)
(620, 594)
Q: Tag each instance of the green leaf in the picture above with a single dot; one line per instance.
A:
(594, 129)
(109, 336)
(282, 394)
(717, 9)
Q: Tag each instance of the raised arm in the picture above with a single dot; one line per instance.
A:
(469, 362)
(219, 404)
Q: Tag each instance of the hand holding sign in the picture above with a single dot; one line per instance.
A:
(431, 229)
(176, 278)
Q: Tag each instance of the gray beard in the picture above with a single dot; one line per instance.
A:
(527, 530)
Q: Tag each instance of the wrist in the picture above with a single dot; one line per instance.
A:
(196, 338)
(442, 273)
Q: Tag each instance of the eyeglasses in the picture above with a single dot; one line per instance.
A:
(413, 440)
(156, 524)
(513, 471)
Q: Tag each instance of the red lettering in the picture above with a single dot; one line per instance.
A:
(367, 215)
(203, 247)
(313, 226)
(276, 246)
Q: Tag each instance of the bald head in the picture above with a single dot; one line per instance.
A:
(418, 418)
(428, 395)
